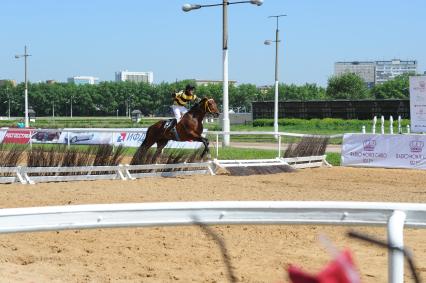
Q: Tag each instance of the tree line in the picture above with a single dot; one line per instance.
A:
(112, 98)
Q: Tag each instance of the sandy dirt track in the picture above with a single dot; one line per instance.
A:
(187, 254)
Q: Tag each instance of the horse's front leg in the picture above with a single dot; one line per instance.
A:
(206, 147)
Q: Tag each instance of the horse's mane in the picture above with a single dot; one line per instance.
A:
(196, 106)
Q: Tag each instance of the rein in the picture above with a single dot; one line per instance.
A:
(206, 106)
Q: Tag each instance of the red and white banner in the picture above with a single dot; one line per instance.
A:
(18, 136)
(389, 151)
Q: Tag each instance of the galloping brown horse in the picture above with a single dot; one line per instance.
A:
(189, 128)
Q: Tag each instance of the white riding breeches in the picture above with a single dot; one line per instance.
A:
(179, 111)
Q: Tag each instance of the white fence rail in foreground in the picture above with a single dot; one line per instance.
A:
(392, 215)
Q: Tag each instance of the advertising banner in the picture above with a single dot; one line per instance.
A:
(389, 151)
(418, 103)
(135, 139)
(45, 136)
(126, 137)
(18, 136)
(2, 134)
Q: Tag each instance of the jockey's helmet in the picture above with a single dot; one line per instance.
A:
(189, 87)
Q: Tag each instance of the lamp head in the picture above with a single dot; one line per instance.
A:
(268, 42)
(256, 2)
(17, 56)
(189, 7)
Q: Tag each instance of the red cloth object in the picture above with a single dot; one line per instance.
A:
(339, 270)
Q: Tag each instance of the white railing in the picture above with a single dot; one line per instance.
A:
(278, 136)
(393, 215)
(32, 175)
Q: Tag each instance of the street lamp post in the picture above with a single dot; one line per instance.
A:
(25, 55)
(8, 98)
(268, 42)
(189, 7)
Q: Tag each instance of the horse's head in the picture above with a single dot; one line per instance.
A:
(209, 106)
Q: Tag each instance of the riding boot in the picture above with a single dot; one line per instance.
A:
(172, 128)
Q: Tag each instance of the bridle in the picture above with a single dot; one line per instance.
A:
(207, 107)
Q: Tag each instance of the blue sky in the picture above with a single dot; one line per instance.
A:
(99, 37)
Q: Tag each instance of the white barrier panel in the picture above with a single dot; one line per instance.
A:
(389, 151)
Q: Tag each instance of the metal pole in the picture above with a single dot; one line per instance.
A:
(8, 98)
(226, 124)
(276, 80)
(71, 107)
(27, 122)
(53, 110)
(396, 239)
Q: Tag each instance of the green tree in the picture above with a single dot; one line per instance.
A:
(398, 88)
(347, 86)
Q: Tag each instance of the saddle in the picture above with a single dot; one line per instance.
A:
(170, 125)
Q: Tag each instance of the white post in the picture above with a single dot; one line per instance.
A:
(399, 125)
(391, 125)
(382, 127)
(374, 124)
(31, 140)
(68, 139)
(276, 109)
(226, 123)
(396, 239)
(363, 129)
(408, 129)
(279, 146)
(217, 145)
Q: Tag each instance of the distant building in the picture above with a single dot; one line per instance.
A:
(3, 82)
(366, 70)
(207, 82)
(263, 89)
(50, 82)
(387, 70)
(137, 77)
(376, 72)
(82, 80)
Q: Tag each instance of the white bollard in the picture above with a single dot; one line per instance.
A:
(391, 125)
(399, 125)
(382, 127)
(408, 129)
(374, 124)
(363, 129)
(396, 239)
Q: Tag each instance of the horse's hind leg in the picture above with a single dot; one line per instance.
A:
(141, 154)
(160, 146)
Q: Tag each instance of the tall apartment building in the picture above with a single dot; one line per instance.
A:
(387, 70)
(376, 72)
(137, 77)
(81, 80)
(366, 70)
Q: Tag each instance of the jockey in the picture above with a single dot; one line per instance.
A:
(181, 99)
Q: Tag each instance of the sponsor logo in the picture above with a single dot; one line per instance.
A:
(369, 145)
(122, 137)
(416, 146)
